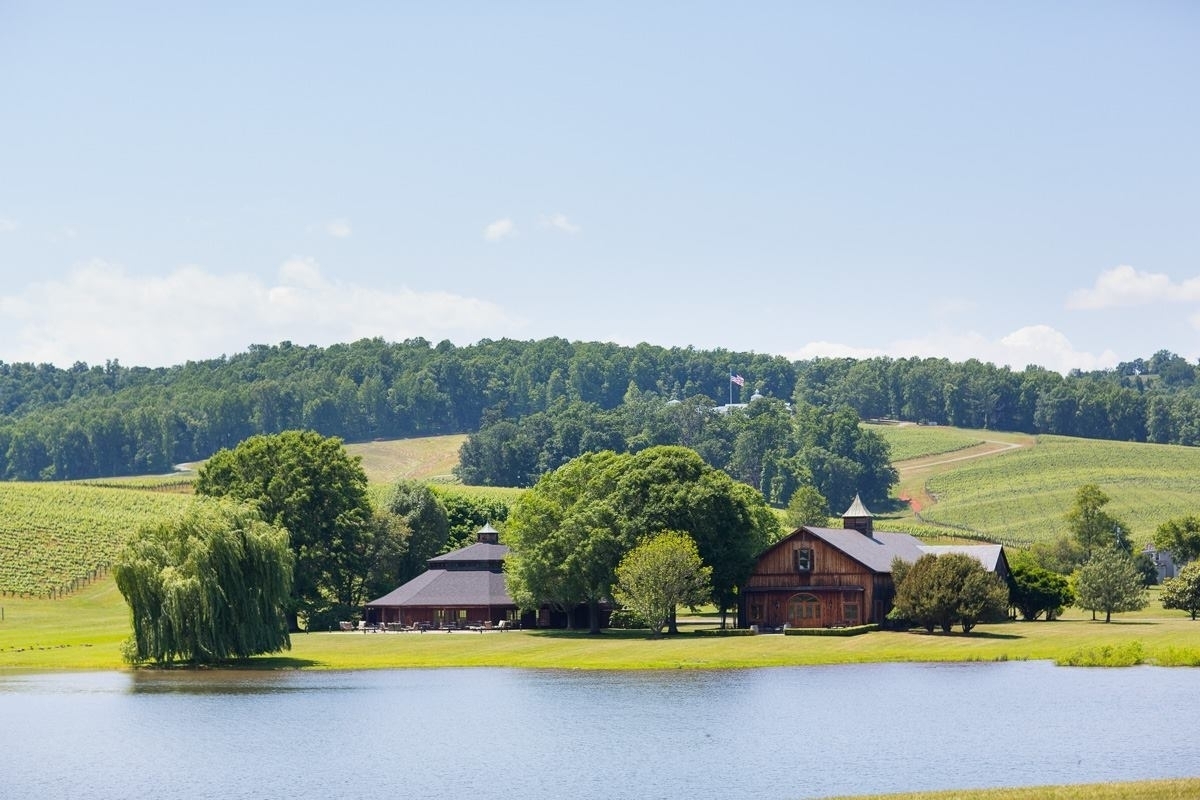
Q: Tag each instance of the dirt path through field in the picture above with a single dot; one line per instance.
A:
(915, 472)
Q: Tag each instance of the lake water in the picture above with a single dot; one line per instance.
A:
(527, 734)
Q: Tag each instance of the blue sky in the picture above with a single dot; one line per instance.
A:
(1015, 182)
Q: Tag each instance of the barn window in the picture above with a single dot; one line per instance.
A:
(804, 559)
(850, 612)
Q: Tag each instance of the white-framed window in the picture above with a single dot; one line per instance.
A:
(804, 559)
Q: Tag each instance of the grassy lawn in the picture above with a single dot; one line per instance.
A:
(81, 632)
(1179, 789)
(85, 632)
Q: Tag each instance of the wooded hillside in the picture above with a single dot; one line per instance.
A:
(87, 421)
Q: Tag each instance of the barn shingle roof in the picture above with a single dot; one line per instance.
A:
(874, 552)
(988, 554)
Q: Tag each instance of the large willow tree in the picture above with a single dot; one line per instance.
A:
(212, 585)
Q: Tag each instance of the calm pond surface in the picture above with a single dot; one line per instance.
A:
(497, 733)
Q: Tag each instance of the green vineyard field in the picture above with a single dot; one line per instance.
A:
(1022, 496)
(56, 536)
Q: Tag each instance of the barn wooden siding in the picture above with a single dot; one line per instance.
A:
(839, 584)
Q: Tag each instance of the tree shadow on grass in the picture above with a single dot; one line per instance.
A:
(606, 633)
(971, 635)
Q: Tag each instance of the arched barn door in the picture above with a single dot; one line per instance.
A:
(804, 611)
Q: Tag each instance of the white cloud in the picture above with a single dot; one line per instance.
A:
(1034, 344)
(8, 225)
(500, 229)
(559, 222)
(99, 312)
(1125, 286)
(339, 228)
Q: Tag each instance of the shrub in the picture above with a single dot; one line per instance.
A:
(1129, 654)
(724, 632)
(626, 619)
(851, 631)
(1178, 657)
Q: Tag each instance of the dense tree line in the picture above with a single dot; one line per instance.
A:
(86, 421)
(1155, 400)
(769, 445)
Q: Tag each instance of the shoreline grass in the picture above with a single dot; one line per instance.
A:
(85, 631)
(1168, 789)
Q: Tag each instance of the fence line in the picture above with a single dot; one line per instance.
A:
(67, 588)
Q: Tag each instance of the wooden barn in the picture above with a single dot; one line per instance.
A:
(824, 577)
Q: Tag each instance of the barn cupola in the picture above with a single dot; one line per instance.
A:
(858, 518)
(488, 535)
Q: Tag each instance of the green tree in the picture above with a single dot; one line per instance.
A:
(466, 514)
(807, 507)
(1092, 526)
(1109, 582)
(571, 530)
(1181, 536)
(939, 591)
(917, 598)
(385, 566)
(428, 524)
(1034, 591)
(209, 586)
(310, 486)
(1062, 555)
(659, 575)
(1183, 592)
(565, 538)
(671, 488)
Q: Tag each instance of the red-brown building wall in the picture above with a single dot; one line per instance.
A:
(836, 590)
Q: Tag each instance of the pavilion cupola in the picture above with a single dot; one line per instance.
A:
(488, 535)
(858, 518)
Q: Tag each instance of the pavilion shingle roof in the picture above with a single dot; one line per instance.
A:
(447, 587)
(480, 551)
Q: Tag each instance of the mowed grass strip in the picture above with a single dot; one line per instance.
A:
(85, 632)
(918, 441)
(425, 458)
(1175, 789)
